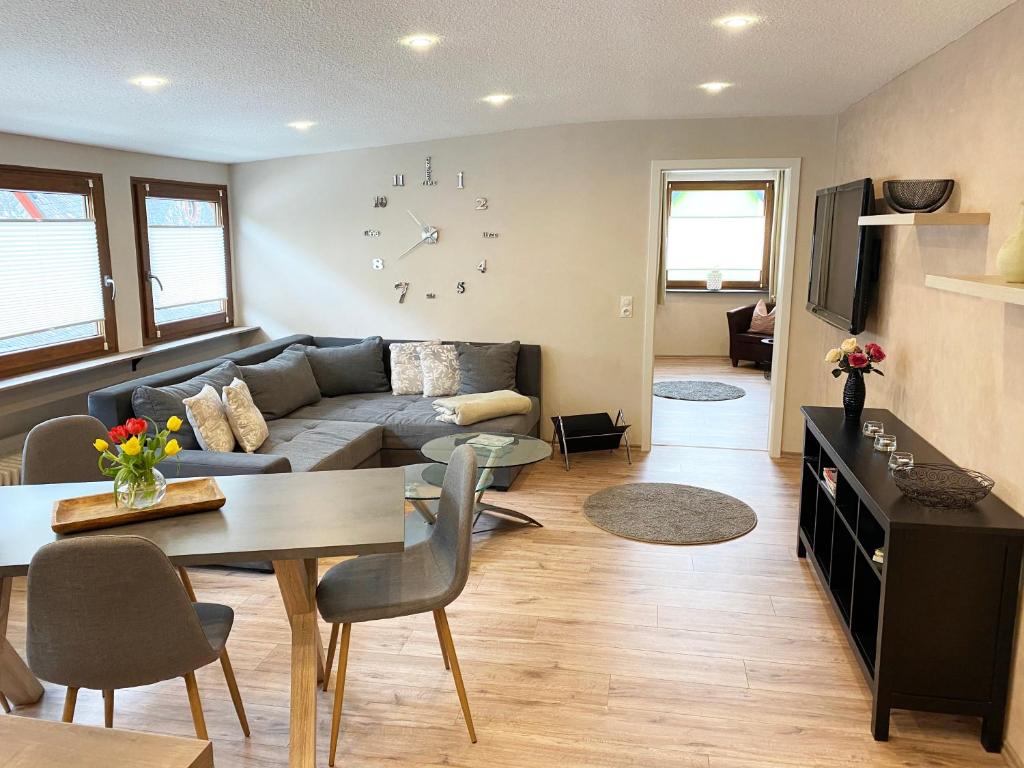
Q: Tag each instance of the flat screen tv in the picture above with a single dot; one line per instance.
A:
(844, 259)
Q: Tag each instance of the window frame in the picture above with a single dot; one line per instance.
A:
(90, 185)
(152, 332)
(768, 186)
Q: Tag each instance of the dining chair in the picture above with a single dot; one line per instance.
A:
(60, 451)
(424, 577)
(109, 612)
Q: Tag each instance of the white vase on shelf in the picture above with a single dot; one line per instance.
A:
(714, 280)
(1010, 259)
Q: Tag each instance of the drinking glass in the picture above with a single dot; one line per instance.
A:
(885, 443)
(900, 459)
(872, 428)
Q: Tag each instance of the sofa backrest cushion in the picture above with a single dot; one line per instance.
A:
(487, 367)
(350, 369)
(281, 384)
(160, 403)
(260, 353)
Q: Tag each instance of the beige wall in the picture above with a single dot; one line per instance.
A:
(19, 409)
(694, 323)
(955, 371)
(571, 204)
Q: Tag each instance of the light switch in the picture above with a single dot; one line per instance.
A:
(625, 306)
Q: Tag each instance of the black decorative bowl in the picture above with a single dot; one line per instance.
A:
(942, 485)
(917, 195)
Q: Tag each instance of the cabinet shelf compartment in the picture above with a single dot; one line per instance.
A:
(840, 583)
(866, 606)
(824, 519)
(808, 502)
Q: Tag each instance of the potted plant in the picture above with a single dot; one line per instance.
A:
(138, 484)
(855, 362)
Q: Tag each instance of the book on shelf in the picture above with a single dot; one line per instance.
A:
(879, 556)
(830, 476)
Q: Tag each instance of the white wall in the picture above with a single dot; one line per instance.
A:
(570, 203)
(693, 324)
(19, 409)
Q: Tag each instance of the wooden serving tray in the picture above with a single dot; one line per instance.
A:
(88, 513)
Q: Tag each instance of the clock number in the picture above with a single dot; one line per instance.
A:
(378, 264)
(460, 287)
(482, 267)
(404, 289)
(481, 204)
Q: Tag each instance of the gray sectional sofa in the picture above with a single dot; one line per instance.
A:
(350, 431)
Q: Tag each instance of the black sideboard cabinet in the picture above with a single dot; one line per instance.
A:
(933, 626)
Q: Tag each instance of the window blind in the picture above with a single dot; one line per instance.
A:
(50, 276)
(189, 264)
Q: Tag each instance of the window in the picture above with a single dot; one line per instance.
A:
(56, 292)
(182, 236)
(724, 225)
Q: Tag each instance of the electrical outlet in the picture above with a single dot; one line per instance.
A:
(625, 306)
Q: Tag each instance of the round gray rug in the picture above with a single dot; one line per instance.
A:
(698, 390)
(666, 513)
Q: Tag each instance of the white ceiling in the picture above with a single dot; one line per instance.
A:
(239, 70)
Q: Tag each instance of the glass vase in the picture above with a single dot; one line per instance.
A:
(141, 492)
(714, 280)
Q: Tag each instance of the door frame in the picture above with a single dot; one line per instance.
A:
(790, 168)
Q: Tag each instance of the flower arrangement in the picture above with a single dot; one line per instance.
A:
(850, 358)
(137, 483)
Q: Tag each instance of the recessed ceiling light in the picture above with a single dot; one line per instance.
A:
(497, 99)
(149, 82)
(736, 22)
(420, 42)
(302, 125)
(715, 87)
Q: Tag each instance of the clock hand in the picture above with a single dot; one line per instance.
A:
(415, 245)
(418, 222)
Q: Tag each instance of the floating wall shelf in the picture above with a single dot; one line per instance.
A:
(925, 220)
(992, 287)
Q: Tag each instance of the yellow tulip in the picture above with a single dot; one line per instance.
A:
(833, 356)
(100, 445)
(131, 447)
(174, 423)
(172, 447)
(848, 346)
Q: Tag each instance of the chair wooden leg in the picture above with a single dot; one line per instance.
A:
(442, 623)
(4, 703)
(196, 705)
(186, 582)
(330, 655)
(440, 639)
(236, 697)
(339, 690)
(108, 708)
(70, 697)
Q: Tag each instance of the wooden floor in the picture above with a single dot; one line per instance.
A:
(580, 649)
(741, 423)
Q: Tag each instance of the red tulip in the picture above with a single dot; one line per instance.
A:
(875, 353)
(119, 434)
(858, 360)
(136, 426)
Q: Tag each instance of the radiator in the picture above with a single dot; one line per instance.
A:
(10, 469)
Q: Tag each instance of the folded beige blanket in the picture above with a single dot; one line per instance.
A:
(469, 409)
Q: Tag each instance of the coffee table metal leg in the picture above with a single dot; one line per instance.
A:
(482, 507)
(421, 507)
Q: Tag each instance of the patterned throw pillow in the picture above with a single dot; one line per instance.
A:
(247, 423)
(406, 373)
(206, 415)
(763, 321)
(440, 364)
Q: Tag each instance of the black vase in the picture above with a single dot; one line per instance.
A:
(853, 395)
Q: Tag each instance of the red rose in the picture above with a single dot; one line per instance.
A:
(136, 426)
(875, 353)
(857, 360)
(119, 433)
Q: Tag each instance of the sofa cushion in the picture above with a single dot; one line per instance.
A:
(487, 367)
(408, 420)
(160, 403)
(351, 369)
(312, 445)
(282, 384)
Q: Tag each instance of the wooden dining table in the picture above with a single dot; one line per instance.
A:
(289, 519)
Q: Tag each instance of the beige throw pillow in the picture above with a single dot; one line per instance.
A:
(406, 373)
(206, 415)
(440, 364)
(763, 321)
(247, 423)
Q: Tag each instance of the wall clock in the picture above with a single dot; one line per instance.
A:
(428, 235)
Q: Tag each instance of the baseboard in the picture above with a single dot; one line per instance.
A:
(1011, 756)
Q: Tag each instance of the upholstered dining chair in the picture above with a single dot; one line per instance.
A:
(60, 451)
(109, 612)
(425, 577)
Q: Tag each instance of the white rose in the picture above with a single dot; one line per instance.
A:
(833, 356)
(848, 346)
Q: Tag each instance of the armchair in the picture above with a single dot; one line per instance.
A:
(743, 344)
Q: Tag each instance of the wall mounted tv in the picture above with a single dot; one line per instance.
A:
(844, 261)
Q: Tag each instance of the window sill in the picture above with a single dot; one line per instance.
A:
(723, 290)
(134, 356)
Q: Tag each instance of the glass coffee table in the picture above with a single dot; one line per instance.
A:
(518, 452)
